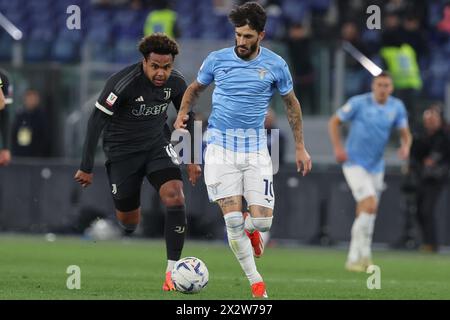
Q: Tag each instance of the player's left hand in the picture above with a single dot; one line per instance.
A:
(5, 157)
(403, 153)
(303, 160)
(181, 122)
(194, 172)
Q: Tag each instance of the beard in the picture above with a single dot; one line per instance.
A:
(248, 52)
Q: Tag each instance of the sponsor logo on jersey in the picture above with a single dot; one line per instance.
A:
(144, 110)
(111, 99)
(139, 99)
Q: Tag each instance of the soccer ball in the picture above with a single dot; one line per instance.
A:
(190, 275)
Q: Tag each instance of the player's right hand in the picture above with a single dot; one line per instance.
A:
(340, 154)
(181, 122)
(194, 172)
(83, 178)
(303, 160)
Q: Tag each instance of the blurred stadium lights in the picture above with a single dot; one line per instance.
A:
(13, 31)
(16, 34)
(362, 59)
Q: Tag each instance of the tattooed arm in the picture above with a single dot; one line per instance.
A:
(294, 115)
(189, 98)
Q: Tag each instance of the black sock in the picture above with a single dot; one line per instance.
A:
(175, 231)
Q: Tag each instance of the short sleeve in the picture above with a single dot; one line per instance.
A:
(348, 111)
(109, 99)
(206, 72)
(401, 118)
(284, 80)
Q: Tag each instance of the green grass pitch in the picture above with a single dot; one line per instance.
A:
(33, 268)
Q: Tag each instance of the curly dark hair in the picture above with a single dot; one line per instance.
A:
(158, 43)
(251, 13)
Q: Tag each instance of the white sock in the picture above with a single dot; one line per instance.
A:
(265, 236)
(249, 226)
(354, 253)
(367, 226)
(241, 246)
(170, 264)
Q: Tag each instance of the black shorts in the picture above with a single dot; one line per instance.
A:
(126, 176)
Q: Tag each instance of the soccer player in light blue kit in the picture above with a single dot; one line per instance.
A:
(372, 116)
(237, 162)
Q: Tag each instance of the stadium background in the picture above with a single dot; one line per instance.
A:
(69, 68)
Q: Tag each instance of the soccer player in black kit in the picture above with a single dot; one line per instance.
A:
(5, 99)
(132, 112)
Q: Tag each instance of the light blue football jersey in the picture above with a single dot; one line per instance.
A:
(243, 90)
(371, 125)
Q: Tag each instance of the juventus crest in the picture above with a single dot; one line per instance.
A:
(167, 92)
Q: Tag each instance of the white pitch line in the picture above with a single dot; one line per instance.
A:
(328, 280)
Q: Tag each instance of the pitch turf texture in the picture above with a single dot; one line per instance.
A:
(33, 268)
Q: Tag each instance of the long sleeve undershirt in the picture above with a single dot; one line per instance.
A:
(4, 129)
(96, 124)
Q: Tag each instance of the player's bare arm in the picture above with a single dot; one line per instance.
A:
(189, 98)
(335, 137)
(294, 115)
(405, 143)
(194, 170)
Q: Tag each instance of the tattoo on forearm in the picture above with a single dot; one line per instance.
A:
(189, 98)
(294, 115)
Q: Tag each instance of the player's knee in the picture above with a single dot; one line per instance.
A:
(172, 197)
(369, 205)
(262, 224)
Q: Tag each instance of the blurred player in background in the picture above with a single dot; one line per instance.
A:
(5, 99)
(429, 167)
(237, 162)
(132, 111)
(372, 116)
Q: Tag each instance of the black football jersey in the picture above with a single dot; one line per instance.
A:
(4, 84)
(138, 110)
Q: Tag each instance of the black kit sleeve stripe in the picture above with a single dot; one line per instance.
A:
(126, 80)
